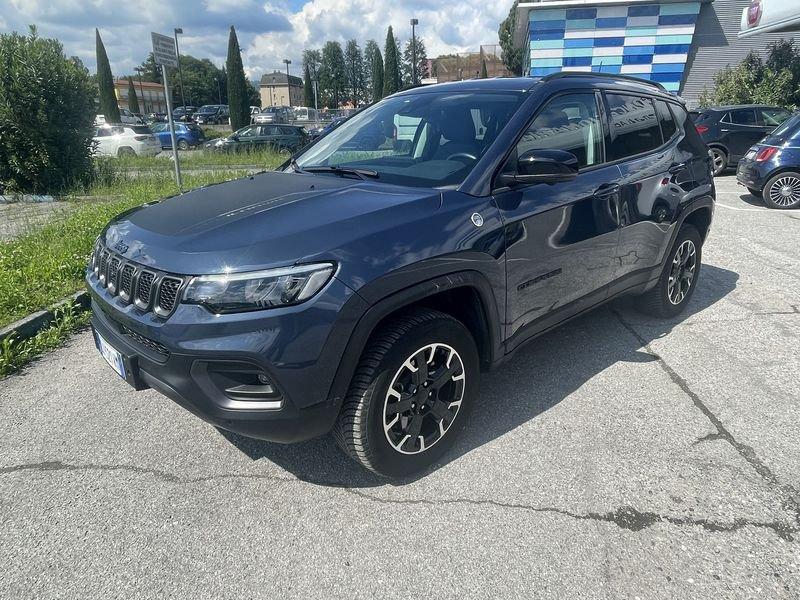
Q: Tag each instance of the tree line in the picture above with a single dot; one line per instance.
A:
(352, 75)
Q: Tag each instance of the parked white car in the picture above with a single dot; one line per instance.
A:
(125, 140)
(125, 116)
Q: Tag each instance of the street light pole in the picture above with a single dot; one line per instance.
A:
(180, 69)
(414, 23)
(287, 62)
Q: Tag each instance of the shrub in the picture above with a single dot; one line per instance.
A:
(46, 116)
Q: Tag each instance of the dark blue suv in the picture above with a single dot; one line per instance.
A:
(365, 286)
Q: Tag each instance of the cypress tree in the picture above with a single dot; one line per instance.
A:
(237, 84)
(391, 69)
(484, 74)
(133, 101)
(377, 76)
(308, 88)
(105, 84)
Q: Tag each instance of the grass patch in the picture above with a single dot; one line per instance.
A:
(195, 159)
(42, 267)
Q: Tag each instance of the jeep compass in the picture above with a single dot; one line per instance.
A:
(364, 286)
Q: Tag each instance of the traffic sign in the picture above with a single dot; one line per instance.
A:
(164, 50)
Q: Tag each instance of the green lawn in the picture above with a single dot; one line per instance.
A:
(195, 159)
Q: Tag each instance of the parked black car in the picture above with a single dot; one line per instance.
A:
(212, 114)
(283, 138)
(157, 117)
(729, 131)
(183, 113)
(771, 169)
(365, 292)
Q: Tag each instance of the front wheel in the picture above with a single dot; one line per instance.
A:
(783, 191)
(411, 394)
(679, 277)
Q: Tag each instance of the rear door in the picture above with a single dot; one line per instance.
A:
(561, 238)
(740, 129)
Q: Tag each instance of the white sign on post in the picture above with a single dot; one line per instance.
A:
(165, 55)
(164, 50)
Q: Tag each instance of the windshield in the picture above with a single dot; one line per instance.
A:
(787, 129)
(208, 109)
(421, 140)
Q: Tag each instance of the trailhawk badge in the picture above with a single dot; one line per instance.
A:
(477, 219)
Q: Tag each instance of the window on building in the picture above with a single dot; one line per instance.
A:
(634, 126)
(569, 122)
(666, 120)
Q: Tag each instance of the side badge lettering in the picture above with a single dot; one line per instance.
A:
(477, 219)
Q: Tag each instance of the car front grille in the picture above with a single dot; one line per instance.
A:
(152, 345)
(150, 290)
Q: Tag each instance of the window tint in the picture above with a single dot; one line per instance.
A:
(774, 116)
(743, 116)
(270, 130)
(570, 123)
(665, 119)
(634, 127)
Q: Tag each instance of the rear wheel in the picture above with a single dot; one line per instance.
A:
(411, 394)
(678, 279)
(126, 151)
(783, 191)
(720, 160)
(183, 145)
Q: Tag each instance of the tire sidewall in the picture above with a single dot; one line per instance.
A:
(687, 232)
(724, 161)
(385, 458)
(772, 180)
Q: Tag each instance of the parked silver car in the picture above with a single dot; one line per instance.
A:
(272, 114)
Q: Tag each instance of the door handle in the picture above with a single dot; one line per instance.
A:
(607, 190)
(675, 169)
(725, 130)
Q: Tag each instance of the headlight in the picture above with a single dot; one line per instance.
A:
(257, 290)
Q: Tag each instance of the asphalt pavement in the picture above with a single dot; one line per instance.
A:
(617, 457)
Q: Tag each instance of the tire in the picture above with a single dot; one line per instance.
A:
(183, 145)
(665, 300)
(782, 191)
(126, 151)
(754, 192)
(720, 160)
(388, 360)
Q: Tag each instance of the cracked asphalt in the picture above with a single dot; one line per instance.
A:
(617, 457)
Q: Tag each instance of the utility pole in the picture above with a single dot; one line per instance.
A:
(287, 62)
(141, 88)
(180, 69)
(414, 23)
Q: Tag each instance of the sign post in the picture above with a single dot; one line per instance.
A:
(166, 55)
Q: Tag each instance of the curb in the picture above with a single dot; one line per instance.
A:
(29, 326)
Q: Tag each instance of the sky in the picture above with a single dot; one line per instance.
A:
(268, 31)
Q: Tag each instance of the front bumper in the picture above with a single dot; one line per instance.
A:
(298, 349)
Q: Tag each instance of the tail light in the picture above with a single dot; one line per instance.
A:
(141, 138)
(701, 129)
(766, 153)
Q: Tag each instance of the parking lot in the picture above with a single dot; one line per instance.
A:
(617, 457)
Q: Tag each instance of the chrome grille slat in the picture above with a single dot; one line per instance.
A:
(126, 282)
(102, 269)
(113, 272)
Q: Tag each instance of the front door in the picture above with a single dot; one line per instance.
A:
(561, 238)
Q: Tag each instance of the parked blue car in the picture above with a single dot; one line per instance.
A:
(771, 168)
(187, 135)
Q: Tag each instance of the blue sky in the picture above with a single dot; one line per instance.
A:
(268, 31)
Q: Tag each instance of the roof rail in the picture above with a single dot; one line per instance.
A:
(631, 78)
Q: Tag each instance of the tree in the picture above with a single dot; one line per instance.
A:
(774, 81)
(150, 70)
(105, 83)
(484, 73)
(332, 76)
(308, 87)
(377, 75)
(408, 59)
(46, 116)
(370, 50)
(133, 101)
(391, 69)
(512, 56)
(238, 95)
(354, 70)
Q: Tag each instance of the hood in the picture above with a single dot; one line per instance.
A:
(267, 220)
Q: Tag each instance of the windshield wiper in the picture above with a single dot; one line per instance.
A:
(360, 173)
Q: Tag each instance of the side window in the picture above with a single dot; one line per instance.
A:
(270, 130)
(668, 127)
(634, 126)
(772, 117)
(569, 122)
(743, 116)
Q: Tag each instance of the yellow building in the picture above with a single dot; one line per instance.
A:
(151, 95)
(278, 89)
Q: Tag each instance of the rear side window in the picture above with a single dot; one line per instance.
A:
(774, 116)
(665, 119)
(634, 126)
(742, 116)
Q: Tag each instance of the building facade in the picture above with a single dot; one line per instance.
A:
(151, 95)
(680, 44)
(280, 89)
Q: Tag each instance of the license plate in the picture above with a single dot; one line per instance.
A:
(112, 356)
(750, 154)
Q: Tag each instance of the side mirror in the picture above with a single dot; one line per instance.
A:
(543, 166)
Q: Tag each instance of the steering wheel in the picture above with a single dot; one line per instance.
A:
(462, 155)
